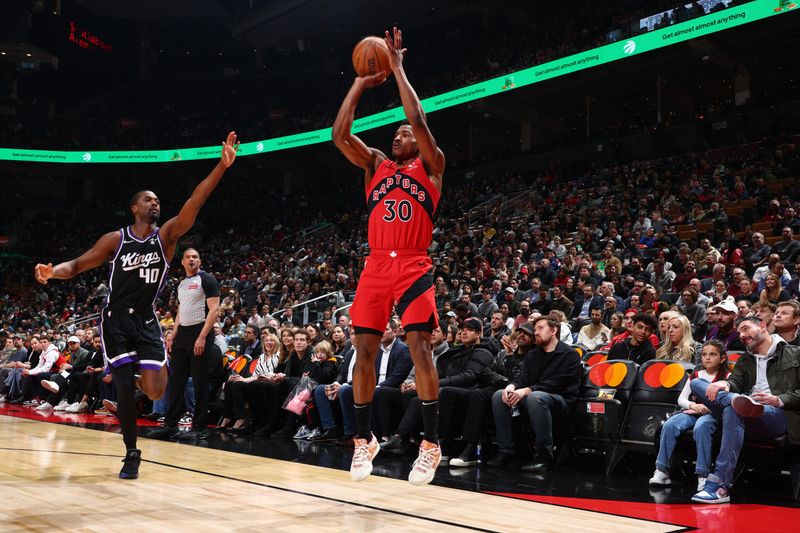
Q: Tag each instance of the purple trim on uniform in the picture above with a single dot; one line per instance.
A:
(143, 240)
(161, 334)
(102, 339)
(164, 276)
(152, 366)
(114, 260)
(124, 361)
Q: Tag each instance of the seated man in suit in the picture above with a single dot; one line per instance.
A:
(392, 367)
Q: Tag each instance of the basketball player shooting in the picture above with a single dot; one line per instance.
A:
(402, 195)
(139, 255)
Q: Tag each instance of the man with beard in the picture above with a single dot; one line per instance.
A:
(724, 330)
(139, 255)
(546, 388)
(682, 280)
(475, 402)
(594, 334)
(766, 372)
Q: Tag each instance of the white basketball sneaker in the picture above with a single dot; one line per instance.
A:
(363, 454)
(430, 455)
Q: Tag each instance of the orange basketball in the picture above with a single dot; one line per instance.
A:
(371, 56)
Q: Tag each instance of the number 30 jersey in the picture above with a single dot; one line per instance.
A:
(138, 271)
(401, 202)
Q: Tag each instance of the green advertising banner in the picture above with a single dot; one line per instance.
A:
(707, 24)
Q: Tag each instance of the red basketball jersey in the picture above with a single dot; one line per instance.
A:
(401, 202)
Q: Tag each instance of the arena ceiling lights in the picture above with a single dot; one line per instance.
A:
(705, 25)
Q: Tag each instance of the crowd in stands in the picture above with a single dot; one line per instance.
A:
(690, 259)
(640, 262)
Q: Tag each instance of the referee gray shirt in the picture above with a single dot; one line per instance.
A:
(192, 294)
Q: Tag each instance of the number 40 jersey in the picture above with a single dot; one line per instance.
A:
(401, 202)
(138, 271)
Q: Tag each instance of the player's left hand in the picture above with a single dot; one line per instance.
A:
(43, 272)
(396, 51)
(229, 149)
(199, 346)
(766, 399)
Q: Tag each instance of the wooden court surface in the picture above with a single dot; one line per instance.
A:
(62, 478)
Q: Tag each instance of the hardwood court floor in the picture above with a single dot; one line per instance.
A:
(61, 478)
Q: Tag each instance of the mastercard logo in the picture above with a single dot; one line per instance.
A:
(596, 358)
(664, 375)
(608, 374)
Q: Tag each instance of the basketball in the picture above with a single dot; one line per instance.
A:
(371, 56)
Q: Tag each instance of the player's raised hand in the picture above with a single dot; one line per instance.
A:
(229, 149)
(372, 81)
(43, 272)
(396, 51)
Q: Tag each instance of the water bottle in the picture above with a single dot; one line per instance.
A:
(515, 411)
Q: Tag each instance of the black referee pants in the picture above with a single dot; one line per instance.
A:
(182, 362)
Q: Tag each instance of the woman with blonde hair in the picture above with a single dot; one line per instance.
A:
(773, 292)
(663, 324)
(679, 344)
(239, 390)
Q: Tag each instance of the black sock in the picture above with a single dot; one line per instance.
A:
(126, 404)
(430, 417)
(363, 420)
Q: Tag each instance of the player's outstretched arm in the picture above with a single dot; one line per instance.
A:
(102, 251)
(351, 146)
(178, 225)
(431, 154)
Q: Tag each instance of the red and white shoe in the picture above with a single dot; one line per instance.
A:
(430, 455)
(363, 454)
(747, 407)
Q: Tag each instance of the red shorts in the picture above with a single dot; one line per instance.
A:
(402, 278)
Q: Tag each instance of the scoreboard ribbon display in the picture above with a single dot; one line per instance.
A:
(676, 33)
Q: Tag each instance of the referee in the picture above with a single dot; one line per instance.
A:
(198, 301)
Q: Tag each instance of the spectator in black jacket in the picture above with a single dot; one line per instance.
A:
(546, 388)
(497, 330)
(473, 403)
(584, 304)
(459, 368)
(637, 347)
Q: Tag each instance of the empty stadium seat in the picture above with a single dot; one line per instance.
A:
(655, 394)
(598, 419)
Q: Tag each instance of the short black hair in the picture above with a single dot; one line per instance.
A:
(649, 320)
(752, 318)
(137, 196)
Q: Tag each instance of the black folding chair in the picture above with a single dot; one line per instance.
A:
(655, 395)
